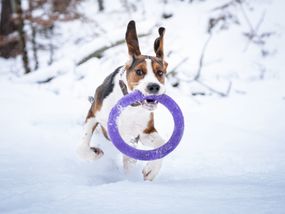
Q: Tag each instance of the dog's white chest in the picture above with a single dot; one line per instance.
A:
(133, 121)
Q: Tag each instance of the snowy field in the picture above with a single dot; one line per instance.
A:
(230, 160)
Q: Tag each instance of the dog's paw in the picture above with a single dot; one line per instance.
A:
(129, 164)
(151, 169)
(89, 153)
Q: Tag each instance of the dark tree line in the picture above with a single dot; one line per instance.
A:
(15, 20)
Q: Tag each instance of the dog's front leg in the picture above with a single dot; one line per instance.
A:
(128, 162)
(84, 150)
(152, 168)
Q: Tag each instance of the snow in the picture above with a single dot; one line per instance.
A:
(230, 160)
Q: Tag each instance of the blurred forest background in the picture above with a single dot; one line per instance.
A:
(215, 34)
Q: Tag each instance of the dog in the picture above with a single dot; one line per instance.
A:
(136, 123)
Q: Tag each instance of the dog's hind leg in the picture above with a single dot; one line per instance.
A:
(84, 150)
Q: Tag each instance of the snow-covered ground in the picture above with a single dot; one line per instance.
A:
(231, 158)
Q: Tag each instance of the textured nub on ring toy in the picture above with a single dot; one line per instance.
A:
(138, 154)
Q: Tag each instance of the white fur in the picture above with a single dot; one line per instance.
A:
(84, 150)
(152, 168)
(132, 122)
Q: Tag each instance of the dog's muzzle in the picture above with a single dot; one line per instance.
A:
(147, 104)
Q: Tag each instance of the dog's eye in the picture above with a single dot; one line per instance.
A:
(139, 72)
(159, 73)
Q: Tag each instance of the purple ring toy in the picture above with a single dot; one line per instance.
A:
(138, 154)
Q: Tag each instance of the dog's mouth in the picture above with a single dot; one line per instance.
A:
(149, 104)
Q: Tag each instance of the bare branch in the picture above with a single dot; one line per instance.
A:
(98, 53)
(246, 18)
(201, 61)
(173, 72)
(222, 94)
(253, 30)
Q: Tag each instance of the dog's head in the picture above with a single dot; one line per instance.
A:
(145, 73)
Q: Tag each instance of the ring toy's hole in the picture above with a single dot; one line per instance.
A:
(154, 154)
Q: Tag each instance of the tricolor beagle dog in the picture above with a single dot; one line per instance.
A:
(136, 123)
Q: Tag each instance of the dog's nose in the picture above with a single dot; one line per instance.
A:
(153, 88)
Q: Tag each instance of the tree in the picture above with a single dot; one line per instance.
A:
(101, 5)
(33, 39)
(15, 19)
(22, 36)
(9, 44)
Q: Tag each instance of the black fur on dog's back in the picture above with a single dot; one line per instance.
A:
(106, 87)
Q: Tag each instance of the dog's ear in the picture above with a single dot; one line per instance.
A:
(158, 43)
(132, 39)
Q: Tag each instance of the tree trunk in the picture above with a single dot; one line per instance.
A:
(101, 5)
(21, 33)
(34, 33)
(7, 25)
(9, 44)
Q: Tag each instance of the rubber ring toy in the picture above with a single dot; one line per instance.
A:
(138, 154)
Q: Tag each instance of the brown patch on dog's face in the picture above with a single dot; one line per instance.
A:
(137, 69)
(159, 67)
(133, 77)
